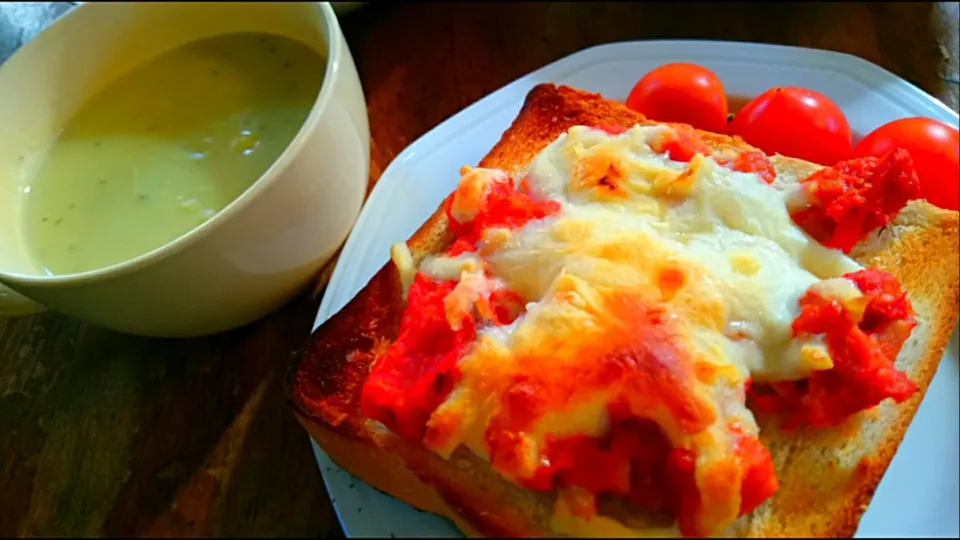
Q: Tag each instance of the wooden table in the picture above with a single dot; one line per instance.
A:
(105, 434)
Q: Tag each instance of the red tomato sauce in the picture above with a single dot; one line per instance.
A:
(636, 461)
(504, 206)
(419, 369)
(633, 459)
(863, 351)
(753, 162)
(680, 144)
(855, 197)
(759, 476)
(684, 143)
(611, 129)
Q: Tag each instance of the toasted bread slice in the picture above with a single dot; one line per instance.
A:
(827, 476)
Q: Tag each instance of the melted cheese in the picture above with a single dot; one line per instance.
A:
(716, 248)
(450, 268)
(471, 190)
(403, 260)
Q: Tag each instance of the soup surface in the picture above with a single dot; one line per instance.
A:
(166, 146)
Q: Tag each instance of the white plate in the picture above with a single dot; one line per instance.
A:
(919, 494)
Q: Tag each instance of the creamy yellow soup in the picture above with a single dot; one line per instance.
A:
(166, 146)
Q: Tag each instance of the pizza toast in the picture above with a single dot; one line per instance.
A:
(827, 476)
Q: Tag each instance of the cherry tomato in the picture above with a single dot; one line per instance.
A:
(795, 122)
(685, 93)
(934, 147)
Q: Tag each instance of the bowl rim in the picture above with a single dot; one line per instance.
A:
(334, 45)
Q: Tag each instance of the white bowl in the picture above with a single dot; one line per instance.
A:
(251, 257)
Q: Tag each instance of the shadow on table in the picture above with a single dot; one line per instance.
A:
(106, 434)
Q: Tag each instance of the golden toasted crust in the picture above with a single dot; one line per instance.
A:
(827, 476)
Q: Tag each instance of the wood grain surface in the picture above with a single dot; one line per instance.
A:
(107, 435)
